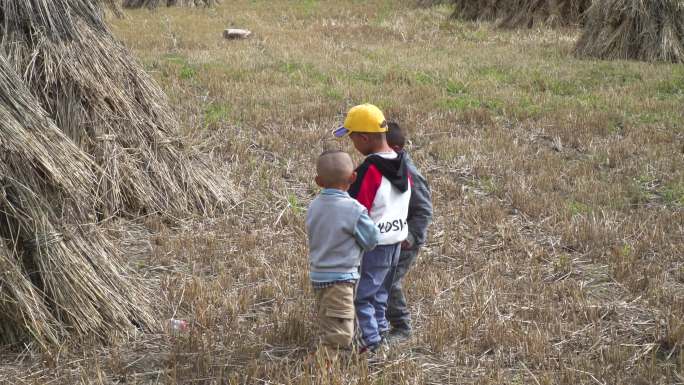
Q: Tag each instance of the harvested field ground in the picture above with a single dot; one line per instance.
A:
(557, 252)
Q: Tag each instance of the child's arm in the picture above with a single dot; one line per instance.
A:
(368, 180)
(366, 233)
(420, 211)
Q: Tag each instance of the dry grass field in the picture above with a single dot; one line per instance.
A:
(557, 251)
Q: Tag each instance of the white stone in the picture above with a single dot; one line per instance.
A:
(234, 33)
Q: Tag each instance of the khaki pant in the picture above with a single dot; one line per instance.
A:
(336, 315)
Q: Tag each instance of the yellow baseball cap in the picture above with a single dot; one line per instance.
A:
(365, 118)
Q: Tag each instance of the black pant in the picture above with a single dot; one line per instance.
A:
(397, 310)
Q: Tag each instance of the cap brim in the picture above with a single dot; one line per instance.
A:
(340, 132)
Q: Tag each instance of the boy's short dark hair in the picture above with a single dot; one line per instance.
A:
(395, 135)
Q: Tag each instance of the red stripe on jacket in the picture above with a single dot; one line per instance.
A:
(369, 187)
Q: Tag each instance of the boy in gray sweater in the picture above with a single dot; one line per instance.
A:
(419, 218)
(339, 230)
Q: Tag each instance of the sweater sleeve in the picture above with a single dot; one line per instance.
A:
(420, 209)
(366, 233)
(368, 187)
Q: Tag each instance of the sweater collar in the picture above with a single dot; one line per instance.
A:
(334, 192)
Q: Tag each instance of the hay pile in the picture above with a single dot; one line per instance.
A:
(169, 3)
(477, 10)
(522, 13)
(85, 134)
(431, 3)
(634, 29)
(99, 96)
(59, 275)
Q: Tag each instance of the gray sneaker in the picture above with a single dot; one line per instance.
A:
(399, 335)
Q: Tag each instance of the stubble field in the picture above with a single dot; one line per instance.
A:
(556, 255)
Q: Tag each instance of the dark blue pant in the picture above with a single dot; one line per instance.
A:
(377, 271)
(397, 310)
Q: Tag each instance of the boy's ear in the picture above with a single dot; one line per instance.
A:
(397, 148)
(352, 178)
(319, 181)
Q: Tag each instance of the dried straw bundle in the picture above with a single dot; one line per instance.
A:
(99, 95)
(431, 3)
(59, 275)
(634, 29)
(169, 3)
(523, 13)
(480, 10)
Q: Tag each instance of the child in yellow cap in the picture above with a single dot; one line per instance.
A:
(383, 187)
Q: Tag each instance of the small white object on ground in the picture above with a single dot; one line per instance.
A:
(234, 33)
(178, 325)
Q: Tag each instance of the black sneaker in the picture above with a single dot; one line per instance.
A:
(375, 354)
(370, 349)
(398, 335)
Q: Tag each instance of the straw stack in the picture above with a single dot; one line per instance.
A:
(168, 3)
(101, 98)
(523, 13)
(634, 29)
(59, 275)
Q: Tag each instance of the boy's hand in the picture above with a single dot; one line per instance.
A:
(406, 245)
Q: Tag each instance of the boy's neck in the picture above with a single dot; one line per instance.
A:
(337, 187)
(381, 149)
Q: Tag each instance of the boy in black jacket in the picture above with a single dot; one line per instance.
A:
(419, 218)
